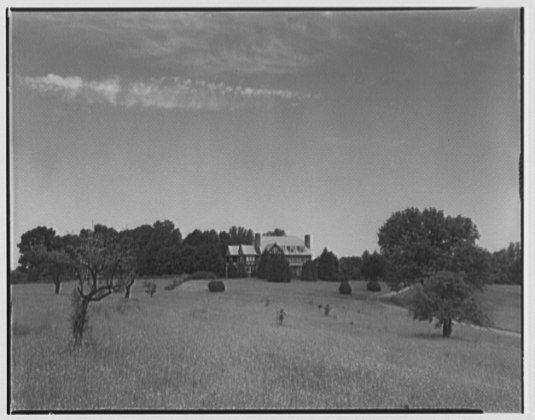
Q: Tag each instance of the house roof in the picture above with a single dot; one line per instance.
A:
(233, 250)
(248, 250)
(290, 245)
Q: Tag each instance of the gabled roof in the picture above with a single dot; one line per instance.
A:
(245, 249)
(233, 250)
(248, 250)
(290, 245)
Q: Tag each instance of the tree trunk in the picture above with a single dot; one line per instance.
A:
(127, 291)
(446, 327)
(79, 320)
(57, 283)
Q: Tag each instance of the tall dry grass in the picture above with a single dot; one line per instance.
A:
(189, 349)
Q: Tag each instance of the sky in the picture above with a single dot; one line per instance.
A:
(319, 122)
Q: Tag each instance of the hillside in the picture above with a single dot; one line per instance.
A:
(502, 303)
(190, 349)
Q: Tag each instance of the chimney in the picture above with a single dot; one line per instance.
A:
(257, 242)
(307, 241)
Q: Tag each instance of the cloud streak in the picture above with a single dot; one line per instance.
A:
(164, 93)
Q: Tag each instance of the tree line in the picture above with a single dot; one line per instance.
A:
(159, 249)
(435, 253)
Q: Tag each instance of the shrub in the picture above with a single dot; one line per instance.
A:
(172, 286)
(17, 276)
(345, 288)
(309, 272)
(150, 288)
(216, 286)
(278, 270)
(204, 275)
(373, 286)
(280, 316)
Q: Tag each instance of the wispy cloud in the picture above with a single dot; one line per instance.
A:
(164, 93)
(249, 43)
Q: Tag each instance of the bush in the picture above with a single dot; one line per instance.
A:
(216, 286)
(373, 286)
(204, 275)
(309, 272)
(150, 288)
(173, 285)
(345, 288)
(278, 270)
(17, 277)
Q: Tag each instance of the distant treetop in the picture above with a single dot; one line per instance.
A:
(275, 232)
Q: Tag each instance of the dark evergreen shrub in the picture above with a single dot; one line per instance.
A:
(261, 270)
(327, 264)
(216, 286)
(345, 288)
(278, 270)
(373, 286)
(309, 272)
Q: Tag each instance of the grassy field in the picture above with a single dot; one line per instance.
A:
(190, 349)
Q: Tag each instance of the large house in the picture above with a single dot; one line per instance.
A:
(296, 251)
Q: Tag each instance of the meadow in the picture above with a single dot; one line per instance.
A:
(191, 349)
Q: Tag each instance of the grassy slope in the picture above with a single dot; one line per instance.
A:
(189, 349)
(502, 303)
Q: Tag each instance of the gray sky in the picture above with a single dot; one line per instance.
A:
(320, 123)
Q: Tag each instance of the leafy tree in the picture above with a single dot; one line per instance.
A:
(56, 264)
(32, 245)
(350, 268)
(446, 297)
(102, 266)
(418, 243)
(327, 264)
(473, 261)
(373, 266)
(133, 251)
(275, 232)
(238, 235)
(507, 265)
(166, 241)
(203, 258)
(43, 255)
(309, 271)
(195, 238)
